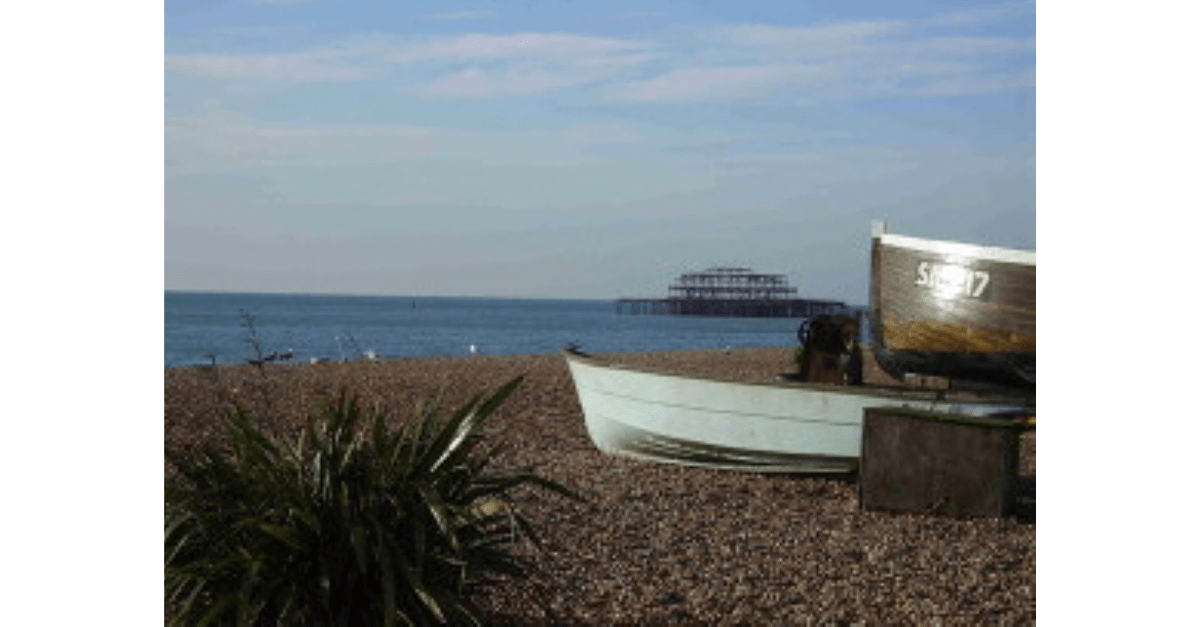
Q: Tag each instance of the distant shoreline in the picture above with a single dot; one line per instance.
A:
(396, 296)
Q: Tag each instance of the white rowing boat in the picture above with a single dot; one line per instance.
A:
(777, 426)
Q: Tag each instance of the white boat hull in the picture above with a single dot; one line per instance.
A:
(762, 427)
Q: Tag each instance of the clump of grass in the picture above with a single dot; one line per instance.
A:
(353, 523)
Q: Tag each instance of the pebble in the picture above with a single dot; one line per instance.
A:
(660, 543)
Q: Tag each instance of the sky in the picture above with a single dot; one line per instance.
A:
(586, 150)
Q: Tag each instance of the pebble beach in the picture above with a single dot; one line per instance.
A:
(660, 543)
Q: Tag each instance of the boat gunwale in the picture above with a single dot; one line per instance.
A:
(858, 390)
(1007, 323)
(959, 249)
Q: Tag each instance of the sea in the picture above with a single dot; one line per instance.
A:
(229, 328)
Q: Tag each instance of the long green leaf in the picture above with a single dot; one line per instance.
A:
(285, 535)
(179, 546)
(444, 439)
(358, 540)
(437, 509)
(218, 608)
(412, 576)
(184, 611)
(387, 580)
(467, 430)
(246, 610)
(500, 395)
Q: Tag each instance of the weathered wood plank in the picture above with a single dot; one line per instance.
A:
(957, 465)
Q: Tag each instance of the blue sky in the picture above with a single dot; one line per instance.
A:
(591, 150)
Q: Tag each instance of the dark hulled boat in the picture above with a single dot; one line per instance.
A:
(961, 311)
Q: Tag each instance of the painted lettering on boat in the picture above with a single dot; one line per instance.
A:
(953, 281)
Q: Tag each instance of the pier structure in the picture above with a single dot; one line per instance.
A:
(731, 292)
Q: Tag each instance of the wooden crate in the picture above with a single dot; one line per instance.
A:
(918, 461)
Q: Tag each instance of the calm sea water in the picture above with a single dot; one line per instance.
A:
(346, 327)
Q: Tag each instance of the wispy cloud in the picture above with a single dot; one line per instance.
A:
(529, 62)
(872, 58)
(518, 64)
(529, 77)
(979, 14)
(975, 85)
(296, 66)
(706, 83)
(482, 47)
(479, 14)
(259, 31)
(477, 83)
(230, 142)
(823, 39)
(856, 58)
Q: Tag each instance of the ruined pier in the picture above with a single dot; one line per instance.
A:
(731, 292)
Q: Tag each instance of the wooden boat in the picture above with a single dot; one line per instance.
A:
(776, 426)
(965, 312)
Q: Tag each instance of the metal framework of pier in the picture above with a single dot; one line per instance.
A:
(731, 292)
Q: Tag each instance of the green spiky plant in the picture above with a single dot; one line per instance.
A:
(346, 526)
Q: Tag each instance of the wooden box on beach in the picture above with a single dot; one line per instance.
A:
(952, 464)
